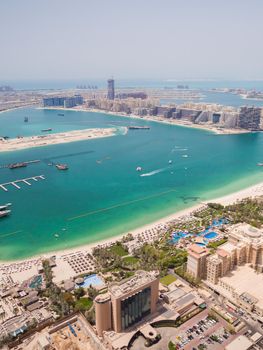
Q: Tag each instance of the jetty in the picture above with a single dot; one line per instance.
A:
(17, 183)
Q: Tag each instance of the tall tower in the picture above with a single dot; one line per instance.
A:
(111, 91)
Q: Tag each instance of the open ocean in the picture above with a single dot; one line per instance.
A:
(102, 194)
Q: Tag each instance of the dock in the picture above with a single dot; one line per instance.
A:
(26, 181)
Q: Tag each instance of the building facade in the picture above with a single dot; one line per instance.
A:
(111, 89)
(196, 262)
(127, 302)
(66, 102)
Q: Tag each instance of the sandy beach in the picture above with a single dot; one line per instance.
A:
(252, 191)
(53, 139)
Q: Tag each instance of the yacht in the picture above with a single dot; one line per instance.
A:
(17, 165)
(62, 166)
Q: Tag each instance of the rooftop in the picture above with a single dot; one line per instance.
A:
(240, 343)
(247, 233)
(246, 282)
(137, 281)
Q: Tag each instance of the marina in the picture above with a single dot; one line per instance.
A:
(15, 183)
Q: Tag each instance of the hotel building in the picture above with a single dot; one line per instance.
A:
(127, 302)
(235, 270)
(196, 262)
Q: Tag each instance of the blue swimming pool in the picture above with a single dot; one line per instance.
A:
(177, 235)
(210, 235)
(91, 280)
(36, 282)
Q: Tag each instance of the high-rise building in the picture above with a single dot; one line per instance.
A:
(111, 90)
(127, 302)
(196, 262)
(66, 102)
(249, 118)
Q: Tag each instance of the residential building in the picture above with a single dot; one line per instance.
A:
(249, 118)
(111, 89)
(67, 102)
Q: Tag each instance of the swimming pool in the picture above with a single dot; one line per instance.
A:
(210, 235)
(91, 280)
(36, 282)
(177, 235)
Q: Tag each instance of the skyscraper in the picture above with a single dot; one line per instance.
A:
(111, 91)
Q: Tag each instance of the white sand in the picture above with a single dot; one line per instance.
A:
(251, 191)
(54, 139)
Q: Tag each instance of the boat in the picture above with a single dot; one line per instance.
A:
(138, 127)
(5, 206)
(260, 164)
(17, 165)
(61, 114)
(4, 213)
(62, 166)
(170, 161)
(45, 130)
(26, 119)
(139, 168)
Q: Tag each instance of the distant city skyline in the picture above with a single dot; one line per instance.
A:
(85, 39)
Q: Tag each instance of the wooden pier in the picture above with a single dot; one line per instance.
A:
(21, 181)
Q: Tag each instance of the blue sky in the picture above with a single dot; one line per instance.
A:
(159, 39)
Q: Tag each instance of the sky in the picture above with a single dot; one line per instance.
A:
(131, 39)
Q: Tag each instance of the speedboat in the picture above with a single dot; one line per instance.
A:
(4, 207)
(139, 168)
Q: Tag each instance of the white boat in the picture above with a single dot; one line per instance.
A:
(4, 207)
(139, 168)
(170, 161)
(4, 213)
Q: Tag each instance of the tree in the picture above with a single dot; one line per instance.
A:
(79, 292)
(92, 292)
(171, 346)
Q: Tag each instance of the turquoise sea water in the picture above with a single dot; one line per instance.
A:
(102, 195)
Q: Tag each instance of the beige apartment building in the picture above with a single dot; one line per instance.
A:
(196, 262)
(127, 302)
(244, 246)
(235, 270)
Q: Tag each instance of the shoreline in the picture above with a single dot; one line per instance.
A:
(14, 108)
(54, 139)
(251, 191)
(211, 128)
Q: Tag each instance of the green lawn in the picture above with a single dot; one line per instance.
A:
(130, 260)
(166, 280)
(83, 304)
(118, 250)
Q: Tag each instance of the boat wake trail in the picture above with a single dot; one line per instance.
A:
(154, 172)
(67, 156)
